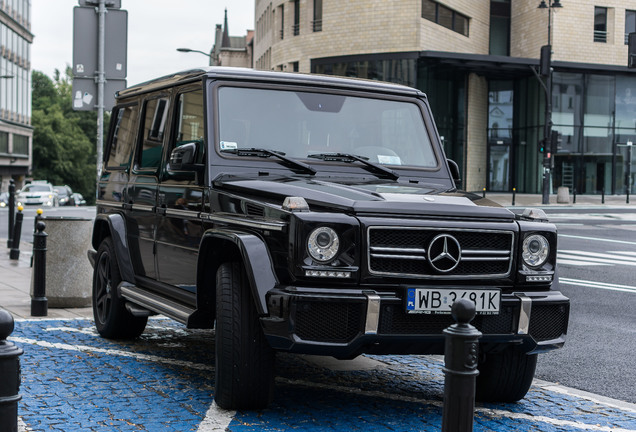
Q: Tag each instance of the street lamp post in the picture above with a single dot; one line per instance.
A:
(187, 50)
(546, 70)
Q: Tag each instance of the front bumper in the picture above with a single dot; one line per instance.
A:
(345, 324)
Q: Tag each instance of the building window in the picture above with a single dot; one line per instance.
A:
(500, 27)
(282, 21)
(600, 24)
(317, 22)
(294, 66)
(630, 23)
(445, 17)
(20, 145)
(4, 143)
(296, 27)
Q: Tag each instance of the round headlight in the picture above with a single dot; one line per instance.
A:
(535, 250)
(323, 244)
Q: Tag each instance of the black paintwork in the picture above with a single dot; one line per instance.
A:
(173, 229)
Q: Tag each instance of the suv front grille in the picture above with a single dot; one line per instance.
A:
(333, 322)
(412, 252)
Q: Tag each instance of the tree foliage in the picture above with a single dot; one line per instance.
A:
(63, 140)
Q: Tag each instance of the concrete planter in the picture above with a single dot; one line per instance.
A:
(69, 275)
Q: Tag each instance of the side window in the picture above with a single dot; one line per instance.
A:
(189, 121)
(123, 137)
(155, 114)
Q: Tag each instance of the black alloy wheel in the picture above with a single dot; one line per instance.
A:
(112, 319)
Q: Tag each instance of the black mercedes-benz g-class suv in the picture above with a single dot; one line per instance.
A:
(310, 214)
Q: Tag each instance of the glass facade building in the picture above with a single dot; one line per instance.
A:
(16, 133)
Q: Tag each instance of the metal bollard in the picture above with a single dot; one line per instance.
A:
(627, 198)
(514, 192)
(14, 254)
(460, 369)
(36, 219)
(574, 196)
(11, 212)
(483, 194)
(39, 302)
(9, 375)
(603, 196)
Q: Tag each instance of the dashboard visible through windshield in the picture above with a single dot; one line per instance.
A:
(301, 124)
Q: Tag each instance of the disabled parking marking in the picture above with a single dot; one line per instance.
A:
(120, 353)
(391, 384)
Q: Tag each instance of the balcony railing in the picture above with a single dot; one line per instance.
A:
(600, 36)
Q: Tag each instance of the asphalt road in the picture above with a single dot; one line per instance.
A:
(29, 214)
(596, 262)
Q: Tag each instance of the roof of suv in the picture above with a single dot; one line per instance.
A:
(245, 74)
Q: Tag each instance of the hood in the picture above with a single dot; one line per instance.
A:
(367, 197)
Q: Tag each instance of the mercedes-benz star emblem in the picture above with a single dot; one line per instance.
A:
(444, 253)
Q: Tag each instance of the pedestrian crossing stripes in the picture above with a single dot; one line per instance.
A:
(587, 258)
(598, 285)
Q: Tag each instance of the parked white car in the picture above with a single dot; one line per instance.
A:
(38, 193)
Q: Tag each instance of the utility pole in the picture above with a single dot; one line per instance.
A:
(546, 71)
(101, 44)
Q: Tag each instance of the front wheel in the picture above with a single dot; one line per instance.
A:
(505, 376)
(112, 319)
(244, 371)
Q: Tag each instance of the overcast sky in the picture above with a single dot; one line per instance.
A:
(156, 28)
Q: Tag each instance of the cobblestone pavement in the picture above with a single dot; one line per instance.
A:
(73, 380)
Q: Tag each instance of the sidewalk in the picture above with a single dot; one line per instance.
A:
(15, 286)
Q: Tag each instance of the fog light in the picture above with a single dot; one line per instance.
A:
(542, 278)
(328, 274)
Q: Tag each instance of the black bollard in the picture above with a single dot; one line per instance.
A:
(14, 254)
(574, 196)
(460, 369)
(603, 196)
(484, 193)
(39, 302)
(514, 191)
(9, 375)
(11, 212)
(627, 198)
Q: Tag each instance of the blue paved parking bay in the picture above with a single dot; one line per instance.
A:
(73, 380)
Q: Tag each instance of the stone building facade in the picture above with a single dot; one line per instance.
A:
(479, 63)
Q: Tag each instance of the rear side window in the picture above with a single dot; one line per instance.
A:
(155, 115)
(123, 137)
(189, 127)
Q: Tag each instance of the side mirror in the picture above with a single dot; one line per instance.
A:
(454, 171)
(183, 158)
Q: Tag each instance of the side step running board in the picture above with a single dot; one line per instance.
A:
(155, 302)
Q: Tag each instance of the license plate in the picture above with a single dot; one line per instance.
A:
(440, 300)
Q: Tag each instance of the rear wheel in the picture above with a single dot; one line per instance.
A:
(244, 360)
(112, 319)
(505, 376)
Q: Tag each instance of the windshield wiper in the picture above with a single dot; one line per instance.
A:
(265, 153)
(378, 169)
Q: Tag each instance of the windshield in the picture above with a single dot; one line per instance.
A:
(36, 188)
(300, 124)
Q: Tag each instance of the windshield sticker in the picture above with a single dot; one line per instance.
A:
(228, 145)
(389, 160)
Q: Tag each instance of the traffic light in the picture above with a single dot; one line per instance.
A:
(542, 146)
(555, 141)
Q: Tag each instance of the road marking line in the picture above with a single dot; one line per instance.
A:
(597, 239)
(591, 255)
(600, 285)
(120, 353)
(216, 419)
(480, 410)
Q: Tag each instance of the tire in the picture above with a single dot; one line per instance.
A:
(244, 371)
(505, 376)
(112, 319)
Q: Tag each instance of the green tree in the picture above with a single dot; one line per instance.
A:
(63, 139)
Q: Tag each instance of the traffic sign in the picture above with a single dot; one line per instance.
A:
(85, 93)
(85, 43)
